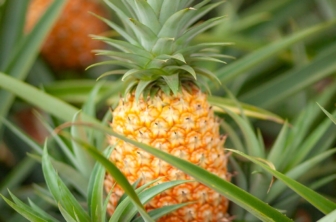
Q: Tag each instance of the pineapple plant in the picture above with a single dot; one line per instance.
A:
(300, 153)
(68, 45)
(164, 105)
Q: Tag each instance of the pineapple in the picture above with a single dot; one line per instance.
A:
(68, 46)
(164, 106)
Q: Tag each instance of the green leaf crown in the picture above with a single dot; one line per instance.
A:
(156, 51)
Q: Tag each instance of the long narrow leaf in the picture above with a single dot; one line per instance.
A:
(328, 114)
(60, 192)
(125, 201)
(296, 172)
(249, 110)
(66, 215)
(41, 212)
(18, 174)
(11, 25)
(72, 176)
(320, 202)
(48, 103)
(285, 85)
(329, 217)
(82, 161)
(275, 155)
(27, 50)
(25, 211)
(242, 65)
(95, 191)
(22, 135)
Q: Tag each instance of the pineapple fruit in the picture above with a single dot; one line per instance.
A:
(164, 106)
(68, 46)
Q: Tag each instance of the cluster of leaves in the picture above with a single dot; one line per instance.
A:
(266, 74)
(77, 172)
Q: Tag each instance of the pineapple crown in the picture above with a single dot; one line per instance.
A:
(156, 51)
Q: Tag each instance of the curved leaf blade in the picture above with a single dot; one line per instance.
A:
(320, 202)
(48, 103)
(249, 110)
(60, 192)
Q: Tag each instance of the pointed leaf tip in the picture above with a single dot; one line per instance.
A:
(173, 82)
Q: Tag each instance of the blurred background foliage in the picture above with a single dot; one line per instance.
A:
(284, 62)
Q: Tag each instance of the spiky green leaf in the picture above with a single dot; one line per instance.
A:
(128, 57)
(173, 82)
(120, 30)
(25, 211)
(328, 114)
(140, 88)
(123, 46)
(95, 192)
(174, 25)
(187, 68)
(145, 14)
(125, 201)
(320, 202)
(163, 46)
(145, 35)
(60, 192)
(197, 29)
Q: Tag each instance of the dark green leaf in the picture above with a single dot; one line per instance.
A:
(23, 57)
(11, 26)
(328, 114)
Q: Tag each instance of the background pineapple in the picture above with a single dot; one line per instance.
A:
(68, 45)
(270, 50)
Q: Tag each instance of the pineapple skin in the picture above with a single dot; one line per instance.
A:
(183, 125)
(68, 45)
